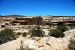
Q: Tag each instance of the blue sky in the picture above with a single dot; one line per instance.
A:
(37, 7)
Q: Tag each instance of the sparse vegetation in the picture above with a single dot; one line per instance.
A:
(37, 32)
(24, 34)
(19, 33)
(6, 35)
(72, 26)
(58, 32)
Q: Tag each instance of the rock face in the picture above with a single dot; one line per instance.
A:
(45, 43)
(51, 43)
(41, 43)
(70, 34)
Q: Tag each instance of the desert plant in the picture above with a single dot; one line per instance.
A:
(37, 32)
(72, 26)
(7, 35)
(24, 34)
(62, 28)
(58, 32)
(19, 33)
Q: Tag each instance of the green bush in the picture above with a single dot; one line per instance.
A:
(19, 33)
(37, 32)
(6, 35)
(62, 28)
(58, 32)
(24, 34)
(72, 26)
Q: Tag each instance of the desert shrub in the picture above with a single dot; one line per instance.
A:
(71, 46)
(37, 32)
(58, 32)
(6, 35)
(62, 28)
(72, 26)
(19, 33)
(24, 34)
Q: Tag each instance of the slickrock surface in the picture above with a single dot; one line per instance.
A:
(70, 34)
(45, 43)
